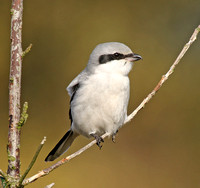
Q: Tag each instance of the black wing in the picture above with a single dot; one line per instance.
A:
(75, 88)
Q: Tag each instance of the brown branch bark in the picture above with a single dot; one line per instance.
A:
(145, 101)
(15, 91)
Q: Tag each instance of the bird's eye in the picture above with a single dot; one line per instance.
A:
(116, 54)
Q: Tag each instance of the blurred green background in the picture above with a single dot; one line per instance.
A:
(161, 146)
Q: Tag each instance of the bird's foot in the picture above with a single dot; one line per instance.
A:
(114, 136)
(98, 139)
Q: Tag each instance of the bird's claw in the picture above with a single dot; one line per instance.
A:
(98, 139)
(113, 138)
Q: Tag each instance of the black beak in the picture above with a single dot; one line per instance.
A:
(136, 57)
(133, 57)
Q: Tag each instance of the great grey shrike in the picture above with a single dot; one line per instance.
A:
(99, 96)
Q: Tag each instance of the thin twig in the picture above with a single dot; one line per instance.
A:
(27, 50)
(59, 163)
(166, 76)
(146, 100)
(3, 174)
(33, 161)
(49, 186)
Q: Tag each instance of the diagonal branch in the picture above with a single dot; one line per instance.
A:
(145, 101)
(59, 163)
(33, 161)
(166, 76)
(2, 174)
(51, 185)
(27, 50)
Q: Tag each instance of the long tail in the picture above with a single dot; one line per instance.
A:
(62, 146)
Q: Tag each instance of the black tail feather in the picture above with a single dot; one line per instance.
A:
(61, 146)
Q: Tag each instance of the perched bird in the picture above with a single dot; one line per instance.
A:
(99, 96)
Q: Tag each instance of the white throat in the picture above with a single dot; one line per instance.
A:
(122, 67)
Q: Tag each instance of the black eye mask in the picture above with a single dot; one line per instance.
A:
(110, 57)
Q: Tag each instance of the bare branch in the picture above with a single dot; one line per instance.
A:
(59, 163)
(145, 101)
(33, 161)
(15, 90)
(166, 76)
(28, 49)
(3, 174)
(51, 185)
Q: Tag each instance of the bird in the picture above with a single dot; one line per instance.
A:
(99, 96)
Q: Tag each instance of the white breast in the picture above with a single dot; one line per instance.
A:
(100, 104)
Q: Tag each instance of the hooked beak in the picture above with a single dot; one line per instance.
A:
(133, 57)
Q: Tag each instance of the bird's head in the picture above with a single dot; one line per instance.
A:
(112, 57)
